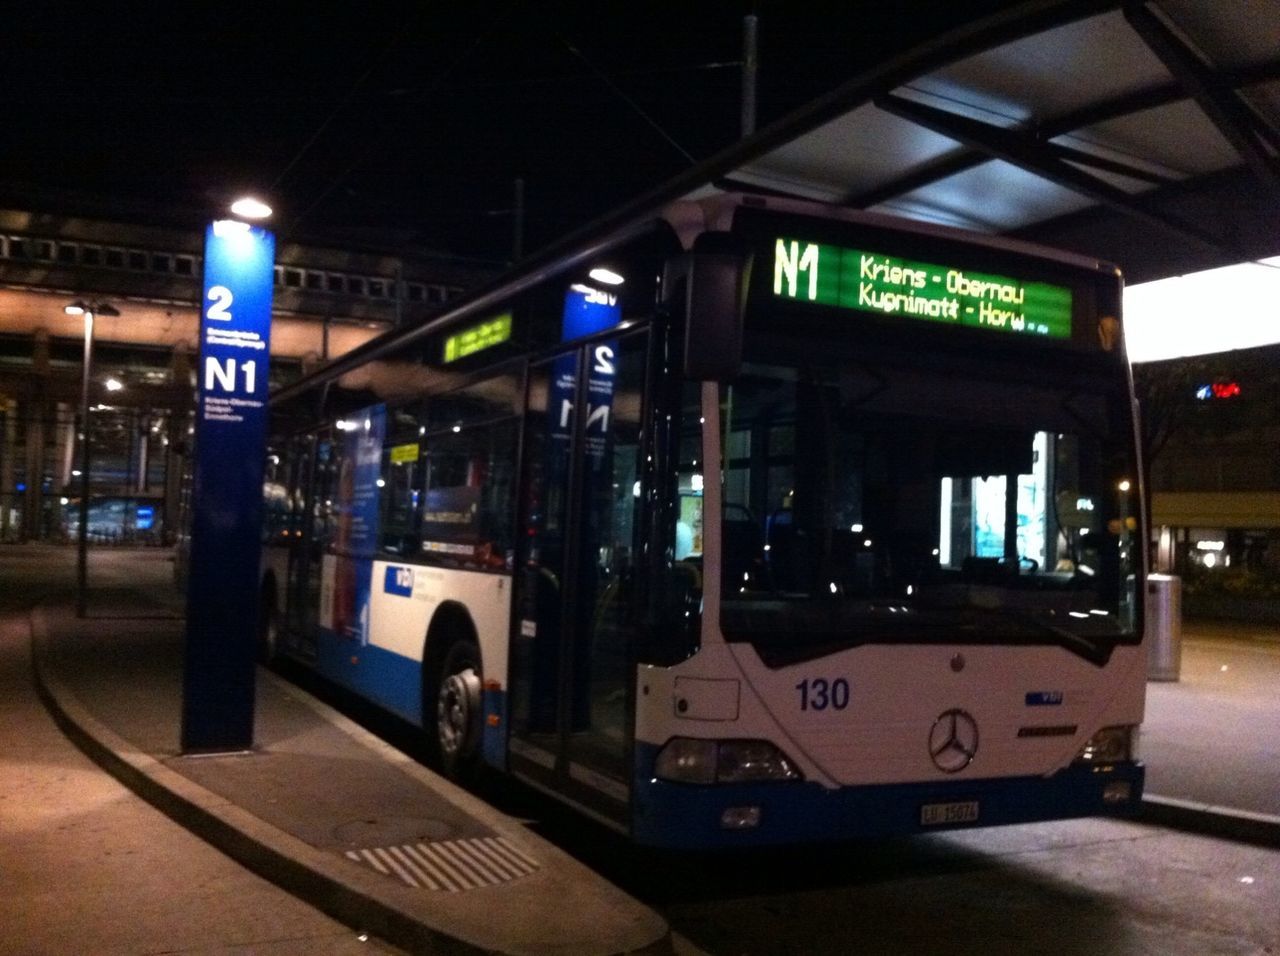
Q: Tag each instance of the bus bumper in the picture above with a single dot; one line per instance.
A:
(712, 817)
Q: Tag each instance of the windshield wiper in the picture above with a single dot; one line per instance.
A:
(1094, 650)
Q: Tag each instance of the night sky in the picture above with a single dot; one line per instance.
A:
(407, 122)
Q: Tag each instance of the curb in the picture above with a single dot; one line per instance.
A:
(268, 852)
(1261, 829)
(363, 901)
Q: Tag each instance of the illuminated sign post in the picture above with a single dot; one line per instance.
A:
(901, 288)
(230, 439)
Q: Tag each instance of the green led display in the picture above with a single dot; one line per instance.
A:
(890, 286)
(487, 334)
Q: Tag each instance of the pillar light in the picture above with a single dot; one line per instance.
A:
(250, 207)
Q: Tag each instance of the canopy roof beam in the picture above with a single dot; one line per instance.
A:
(1046, 160)
(1125, 104)
(1248, 133)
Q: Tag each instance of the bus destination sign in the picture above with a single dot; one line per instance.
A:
(891, 286)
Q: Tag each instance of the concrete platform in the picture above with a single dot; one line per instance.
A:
(1211, 739)
(353, 826)
(323, 808)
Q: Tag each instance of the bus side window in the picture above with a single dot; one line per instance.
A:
(466, 515)
(400, 491)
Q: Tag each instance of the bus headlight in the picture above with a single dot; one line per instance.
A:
(689, 760)
(1110, 745)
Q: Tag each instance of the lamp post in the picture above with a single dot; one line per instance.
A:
(88, 310)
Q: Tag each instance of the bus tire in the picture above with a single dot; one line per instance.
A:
(454, 708)
(268, 646)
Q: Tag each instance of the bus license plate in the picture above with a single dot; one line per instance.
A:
(938, 814)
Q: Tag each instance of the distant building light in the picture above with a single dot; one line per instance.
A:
(1218, 390)
(113, 384)
(1210, 545)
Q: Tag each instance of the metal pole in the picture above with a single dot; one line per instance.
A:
(750, 66)
(82, 558)
(517, 221)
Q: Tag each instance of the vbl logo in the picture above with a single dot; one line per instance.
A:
(399, 581)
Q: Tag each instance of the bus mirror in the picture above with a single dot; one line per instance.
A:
(715, 296)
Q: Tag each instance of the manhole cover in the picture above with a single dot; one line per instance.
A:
(389, 831)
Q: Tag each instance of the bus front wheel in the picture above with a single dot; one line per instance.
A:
(457, 708)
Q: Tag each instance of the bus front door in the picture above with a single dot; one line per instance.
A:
(306, 576)
(571, 669)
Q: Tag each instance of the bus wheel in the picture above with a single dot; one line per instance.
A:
(268, 627)
(458, 709)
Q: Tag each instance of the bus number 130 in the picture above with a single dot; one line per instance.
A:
(818, 693)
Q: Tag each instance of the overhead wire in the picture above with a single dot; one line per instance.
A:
(375, 141)
(617, 91)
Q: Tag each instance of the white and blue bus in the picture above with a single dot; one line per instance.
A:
(755, 521)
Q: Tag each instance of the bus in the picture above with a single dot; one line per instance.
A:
(753, 521)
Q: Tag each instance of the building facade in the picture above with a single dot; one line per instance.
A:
(1213, 425)
(327, 301)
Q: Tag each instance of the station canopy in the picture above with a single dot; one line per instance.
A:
(1144, 134)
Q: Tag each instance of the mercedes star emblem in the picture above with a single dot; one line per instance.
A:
(953, 740)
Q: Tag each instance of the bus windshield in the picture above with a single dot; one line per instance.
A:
(872, 501)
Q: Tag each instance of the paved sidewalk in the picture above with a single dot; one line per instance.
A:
(323, 808)
(1211, 739)
(350, 824)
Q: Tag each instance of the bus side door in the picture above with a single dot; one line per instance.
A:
(577, 599)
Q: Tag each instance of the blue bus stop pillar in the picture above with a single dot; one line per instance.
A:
(230, 440)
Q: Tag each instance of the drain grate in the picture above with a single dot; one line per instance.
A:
(450, 865)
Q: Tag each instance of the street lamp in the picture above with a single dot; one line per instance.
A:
(88, 310)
